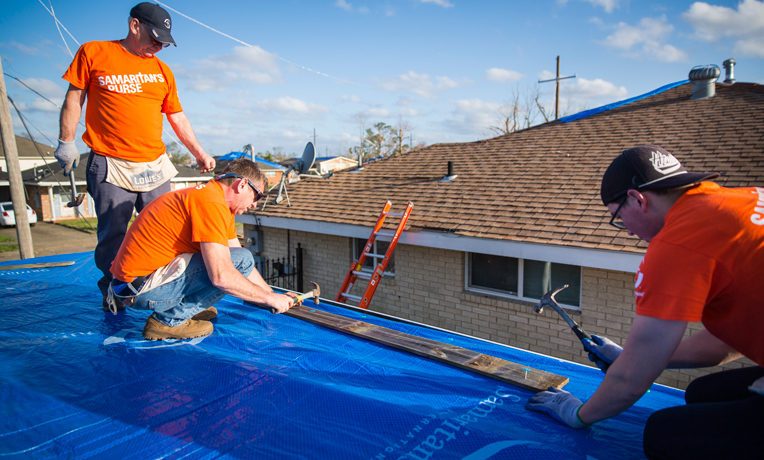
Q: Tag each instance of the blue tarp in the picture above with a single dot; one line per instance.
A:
(235, 155)
(76, 382)
(604, 108)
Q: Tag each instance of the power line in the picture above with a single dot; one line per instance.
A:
(305, 68)
(59, 25)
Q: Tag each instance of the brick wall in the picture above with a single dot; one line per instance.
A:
(428, 287)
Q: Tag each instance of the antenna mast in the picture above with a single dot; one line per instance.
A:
(557, 90)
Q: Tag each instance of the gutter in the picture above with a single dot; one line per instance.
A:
(592, 258)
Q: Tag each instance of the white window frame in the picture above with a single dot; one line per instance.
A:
(520, 282)
(377, 259)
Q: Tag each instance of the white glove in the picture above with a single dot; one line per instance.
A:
(67, 155)
(757, 386)
(558, 403)
(602, 351)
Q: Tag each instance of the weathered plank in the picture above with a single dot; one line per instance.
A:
(490, 366)
(37, 265)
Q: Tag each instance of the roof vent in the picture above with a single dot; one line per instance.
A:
(450, 176)
(729, 70)
(703, 78)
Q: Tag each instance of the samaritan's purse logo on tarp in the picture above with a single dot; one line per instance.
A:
(664, 163)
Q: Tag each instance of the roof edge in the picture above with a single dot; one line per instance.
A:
(585, 257)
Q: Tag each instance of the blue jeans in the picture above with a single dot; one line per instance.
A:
(177, 301)
(114, 208)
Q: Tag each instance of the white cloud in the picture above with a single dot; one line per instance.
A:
(21, 47)
(595, 89)
(473, 116)
(746, 24)
(45, 106)
(646, 40)
(502, 75)
(443, 3)
(350, 98)
(45, 87)
(288, 107)
(343, 5)
(374, 113)
(607, 5)
(246, 63)
(347, 6)
(421, 84)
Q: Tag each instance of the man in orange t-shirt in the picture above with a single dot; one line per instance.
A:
(704, 263)
(128, 89)
(181, 255)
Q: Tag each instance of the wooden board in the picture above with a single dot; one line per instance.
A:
(37, 265)
(490, 366)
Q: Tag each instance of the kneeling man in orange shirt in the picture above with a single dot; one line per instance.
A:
(181, 255)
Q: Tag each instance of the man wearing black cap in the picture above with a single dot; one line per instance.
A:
(704, 262)
(128, 89)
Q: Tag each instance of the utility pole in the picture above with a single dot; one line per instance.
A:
(23, 233)
(557, 91)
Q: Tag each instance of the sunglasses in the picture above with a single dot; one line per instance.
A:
(154, 40)
(615, 220)
(258, 193)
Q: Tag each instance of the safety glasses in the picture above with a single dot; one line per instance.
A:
(258, 193)
(616, 220)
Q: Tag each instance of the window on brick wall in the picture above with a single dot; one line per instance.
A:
(375, 256)
(524, 279)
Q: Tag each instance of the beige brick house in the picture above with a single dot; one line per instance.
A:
(521, 215)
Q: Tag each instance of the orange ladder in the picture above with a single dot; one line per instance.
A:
(355, 269)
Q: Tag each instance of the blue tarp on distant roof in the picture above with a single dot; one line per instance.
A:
(590, 112)
(235, 155)
(76, 382)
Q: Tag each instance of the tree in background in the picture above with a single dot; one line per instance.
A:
(523, 111)
(381, 140)
(177, 155)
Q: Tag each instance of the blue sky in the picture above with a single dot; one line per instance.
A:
(269, 73)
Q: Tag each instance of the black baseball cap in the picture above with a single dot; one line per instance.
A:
(646, 167)
(156, 18)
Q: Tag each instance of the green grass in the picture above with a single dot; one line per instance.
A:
(8, 244)
(9, 247)
(83, 225)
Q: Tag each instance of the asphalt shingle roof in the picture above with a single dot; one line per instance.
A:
(541, 184)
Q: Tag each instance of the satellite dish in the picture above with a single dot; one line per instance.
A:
(308, 157)
(301, 166)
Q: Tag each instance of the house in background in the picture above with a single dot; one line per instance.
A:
(325, 165)
(273, 171)
(30, 153)
(48, 190)
(514, 216)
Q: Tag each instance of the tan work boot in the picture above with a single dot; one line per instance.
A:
(206, 315)
(154, 330)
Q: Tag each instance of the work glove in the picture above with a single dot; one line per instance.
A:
(602, 351)
(67, 155)
(559, 404)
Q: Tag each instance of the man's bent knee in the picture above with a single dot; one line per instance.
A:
(243, 260)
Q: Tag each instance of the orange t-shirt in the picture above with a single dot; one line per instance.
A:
(126, 96)
(706, 264)
(173, 224)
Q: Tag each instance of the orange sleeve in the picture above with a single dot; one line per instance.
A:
(666, 287)
(78, 73)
